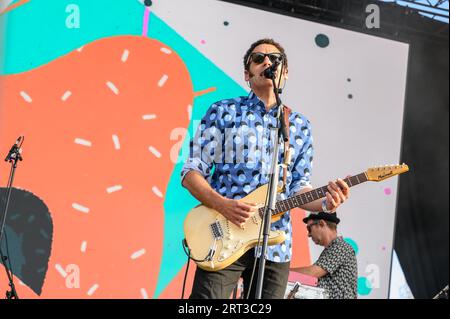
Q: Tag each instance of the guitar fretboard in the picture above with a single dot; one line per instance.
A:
(308, 197)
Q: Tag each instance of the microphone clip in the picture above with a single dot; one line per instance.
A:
(15, 153)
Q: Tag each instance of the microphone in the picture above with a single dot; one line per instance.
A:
(269, 73)
(18, 140)
(14, 151)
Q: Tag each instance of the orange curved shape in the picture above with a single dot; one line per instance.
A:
(124, 87)
(301, 256)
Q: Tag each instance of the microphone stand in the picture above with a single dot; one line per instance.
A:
(272, 189)
(443, 294)
(13, 157)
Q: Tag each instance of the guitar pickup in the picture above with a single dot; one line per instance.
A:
(217, 230)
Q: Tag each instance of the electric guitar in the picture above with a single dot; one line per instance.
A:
(215, 243)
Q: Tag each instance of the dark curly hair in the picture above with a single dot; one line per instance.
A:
(263, 41)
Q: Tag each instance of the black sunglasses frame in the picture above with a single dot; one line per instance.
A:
(262, 56)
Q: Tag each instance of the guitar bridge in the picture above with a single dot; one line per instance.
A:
(217, 230)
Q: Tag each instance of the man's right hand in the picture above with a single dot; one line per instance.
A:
(235, 211)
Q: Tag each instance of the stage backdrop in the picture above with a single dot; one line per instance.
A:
(106, 94)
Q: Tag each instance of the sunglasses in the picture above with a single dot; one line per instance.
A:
(308, 227)
(259, 57)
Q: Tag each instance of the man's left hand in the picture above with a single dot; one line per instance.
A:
(338, 192)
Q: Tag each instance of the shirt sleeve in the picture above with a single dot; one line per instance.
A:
(301, 170)
(204, 146)
(333, 258)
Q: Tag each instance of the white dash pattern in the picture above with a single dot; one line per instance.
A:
(157, 192)
(83, 246)
(66, 95)
(83, 142)
(92, 289)
(144, 293)
(80, 208)
(125, 55)
(149, 117)
(163, 80)
(154, 151)
(138, 254)
(166, 50)
(112, 87)
(116, 142)
(26, 97)
(113, 189)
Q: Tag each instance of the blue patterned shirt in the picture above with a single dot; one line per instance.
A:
(232, 150)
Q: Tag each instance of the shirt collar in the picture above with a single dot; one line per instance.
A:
(258, 104)
(336, 240)
(254, 99)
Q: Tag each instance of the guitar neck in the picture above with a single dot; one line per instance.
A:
(315, 194)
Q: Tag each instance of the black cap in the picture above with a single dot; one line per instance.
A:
(331, 217)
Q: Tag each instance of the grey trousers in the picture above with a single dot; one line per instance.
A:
(220, 284)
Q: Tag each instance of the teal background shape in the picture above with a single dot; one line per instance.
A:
(364, 286)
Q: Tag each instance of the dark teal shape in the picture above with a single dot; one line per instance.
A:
(322, 40)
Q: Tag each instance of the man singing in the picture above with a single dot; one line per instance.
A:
(230, 156)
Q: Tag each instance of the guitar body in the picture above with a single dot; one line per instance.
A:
(208, 233)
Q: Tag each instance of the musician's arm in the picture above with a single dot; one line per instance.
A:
(198, 186)
(197, 170)
(313, 270)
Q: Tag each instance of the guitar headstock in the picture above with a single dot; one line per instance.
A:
(377, 174)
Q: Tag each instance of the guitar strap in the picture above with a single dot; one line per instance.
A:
(287, 148)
